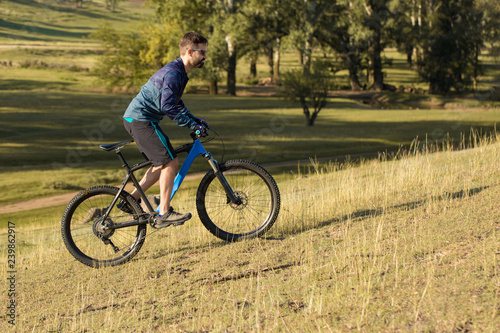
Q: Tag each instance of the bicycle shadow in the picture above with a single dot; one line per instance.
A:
(370, 213)
(357, 216)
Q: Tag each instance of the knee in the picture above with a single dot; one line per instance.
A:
(174, 163)
(171, 164)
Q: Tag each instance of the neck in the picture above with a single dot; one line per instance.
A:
(186, 63)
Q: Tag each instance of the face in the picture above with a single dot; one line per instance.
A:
(199, 54)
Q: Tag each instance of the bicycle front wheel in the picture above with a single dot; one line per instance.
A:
(257, 193)
(85, 229)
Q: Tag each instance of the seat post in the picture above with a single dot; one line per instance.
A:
(125, 164)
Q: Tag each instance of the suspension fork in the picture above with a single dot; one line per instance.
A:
(227, 188)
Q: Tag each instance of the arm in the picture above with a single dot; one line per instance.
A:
(186, 118)
(172, 105)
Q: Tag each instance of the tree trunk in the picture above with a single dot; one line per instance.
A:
(276, 74)
(354, 80)
(269, 59)
(416, 56)
(213, 88)
(231, 66)
(253, 64)
(351, 64)
(306, 112)
(376, 77)
(477, 51)
(312, 119)
(308, 53)
(409, 54)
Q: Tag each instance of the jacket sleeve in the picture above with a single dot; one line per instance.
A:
(172, 105)
(186, 119)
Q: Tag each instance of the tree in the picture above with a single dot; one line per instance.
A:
(374, 15)
(490, 30)
(112, 4)
(268, 21)
(310, 16)
(228, 12)
(358, 33)
(334, 32)
(310, 88)
(214, 19)
(452, 49)
(130, 58)
(406, 27)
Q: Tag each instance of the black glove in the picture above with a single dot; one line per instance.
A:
(203, 122)
(201, 131)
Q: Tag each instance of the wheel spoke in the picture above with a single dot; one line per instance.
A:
(85, 229)
(258, 205)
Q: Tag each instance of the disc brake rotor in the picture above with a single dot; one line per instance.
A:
(242, 199)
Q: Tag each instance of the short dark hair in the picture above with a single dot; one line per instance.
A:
(191, 39)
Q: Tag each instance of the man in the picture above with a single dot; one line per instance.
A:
(161, 96)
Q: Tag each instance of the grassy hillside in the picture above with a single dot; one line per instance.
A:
(410, 244)
(405, 245)
(50, 22)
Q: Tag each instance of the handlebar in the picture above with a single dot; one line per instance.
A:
(197, 134)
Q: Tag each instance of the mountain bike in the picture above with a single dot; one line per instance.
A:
(235, 200)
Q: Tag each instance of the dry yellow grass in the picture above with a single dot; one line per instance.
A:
(411, 244)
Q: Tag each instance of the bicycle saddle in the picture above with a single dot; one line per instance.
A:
(115, 146)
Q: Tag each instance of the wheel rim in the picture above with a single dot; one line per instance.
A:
(90, 234)
(255, 202)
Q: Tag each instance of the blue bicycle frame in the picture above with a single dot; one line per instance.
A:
(196, 150)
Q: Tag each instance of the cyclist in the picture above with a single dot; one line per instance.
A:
(159, 97)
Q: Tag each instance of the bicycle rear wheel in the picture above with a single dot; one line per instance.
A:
(84, 230)
(258, 195)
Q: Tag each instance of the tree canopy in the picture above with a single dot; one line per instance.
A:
(442, 38)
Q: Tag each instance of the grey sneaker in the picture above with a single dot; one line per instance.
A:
(171, 218)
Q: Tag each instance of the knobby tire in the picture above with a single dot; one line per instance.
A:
(257, 191)
(81, 222)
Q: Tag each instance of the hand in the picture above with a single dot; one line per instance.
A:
(203, 122)
(201, 131)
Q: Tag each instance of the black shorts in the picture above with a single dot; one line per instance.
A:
(151, 140)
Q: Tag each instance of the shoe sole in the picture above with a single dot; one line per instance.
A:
(174, 223)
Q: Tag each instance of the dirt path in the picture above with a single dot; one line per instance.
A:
(62, 199)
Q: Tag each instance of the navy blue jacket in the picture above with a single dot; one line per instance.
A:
(161, 96)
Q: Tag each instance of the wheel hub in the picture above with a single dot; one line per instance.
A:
(101, 228)
(242, 200)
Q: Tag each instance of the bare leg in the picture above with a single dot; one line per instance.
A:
(167, 177)
(166, 174)
(149, 179)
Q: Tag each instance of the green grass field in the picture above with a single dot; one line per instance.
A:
(394, 238)
(53, 136)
